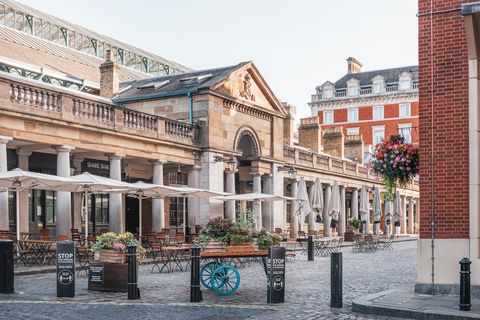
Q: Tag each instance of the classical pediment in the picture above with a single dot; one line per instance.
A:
(245, 84)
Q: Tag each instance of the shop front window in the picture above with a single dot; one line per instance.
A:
(176, 213)
(101, 208)
(50, 198)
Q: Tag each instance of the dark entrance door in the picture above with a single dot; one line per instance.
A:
(131, 212)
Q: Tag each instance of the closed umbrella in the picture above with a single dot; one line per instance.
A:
(397, 212)
(316, 198)
(364, 209)
(388, 217)
(303, 203)
(334, 206)
(377, 210)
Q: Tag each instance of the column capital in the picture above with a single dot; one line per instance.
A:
(5, 139)
(196, 167)
(157, 162)
(63, 148)
(114, 156)
(22, 152)
(227, 171)
(255, 174)
(268, 175)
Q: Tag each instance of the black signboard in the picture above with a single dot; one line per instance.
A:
(96, 273)
(65, 269)
(98, 167)
(276, 275)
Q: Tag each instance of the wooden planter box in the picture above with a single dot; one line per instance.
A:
(215, 246)
(108, 277)
(112, 256)
(349, 235)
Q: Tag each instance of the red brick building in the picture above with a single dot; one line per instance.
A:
(449, 42)
(372, 105)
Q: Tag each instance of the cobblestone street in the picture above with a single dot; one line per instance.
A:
(167, 295)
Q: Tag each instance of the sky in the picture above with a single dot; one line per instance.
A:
(297, 44)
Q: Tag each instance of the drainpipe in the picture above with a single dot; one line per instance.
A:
(190, 107)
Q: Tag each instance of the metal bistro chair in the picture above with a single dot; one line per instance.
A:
(358, 243)
(387, 243)
(159, 258)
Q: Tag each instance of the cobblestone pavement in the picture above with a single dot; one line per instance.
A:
(167, 295)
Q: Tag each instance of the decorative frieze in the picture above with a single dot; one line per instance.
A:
(247, 110)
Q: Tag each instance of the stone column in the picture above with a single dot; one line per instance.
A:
(411, 220)
(327, 194)
(23, 155)
(267, 206)
(311, 217)
(63, 208)
(77, 197)
(257, 208)
(278, 216)
(194, 203)
(158, 213)
(115, 209)
(230, 188)
(417, 215)
(355, 203)
(4, 219)
(211, 178)
(293, 214)
(342, 218)
(403, 220)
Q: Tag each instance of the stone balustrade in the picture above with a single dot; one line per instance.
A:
(35, 97)
(92, 110)
(139, 121)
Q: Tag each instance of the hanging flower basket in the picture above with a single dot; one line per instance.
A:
(397, 162)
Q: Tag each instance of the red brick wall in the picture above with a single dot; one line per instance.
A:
(444, 172)
(365, 114)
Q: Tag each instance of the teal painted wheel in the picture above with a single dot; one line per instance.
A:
(206, 273)
(225, 280)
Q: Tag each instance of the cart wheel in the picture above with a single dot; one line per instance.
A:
(225, 280)
(206, 273)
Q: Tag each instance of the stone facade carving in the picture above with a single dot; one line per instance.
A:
(247, 88)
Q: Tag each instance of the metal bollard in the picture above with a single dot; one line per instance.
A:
(6, 266)
(465, 304)
(310, 248)
(336, 282)
(132, 285)
(195, 291)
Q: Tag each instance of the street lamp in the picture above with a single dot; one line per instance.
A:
(292, 172)
(232, 164)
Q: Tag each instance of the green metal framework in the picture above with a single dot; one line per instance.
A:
(31, 21)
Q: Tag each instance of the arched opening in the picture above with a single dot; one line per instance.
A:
(247, 144)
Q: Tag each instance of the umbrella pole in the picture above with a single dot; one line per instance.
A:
(140, 217)
(85, 215)
(184, 215)
(17, 205)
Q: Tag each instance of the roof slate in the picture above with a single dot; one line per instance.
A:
(390, 75)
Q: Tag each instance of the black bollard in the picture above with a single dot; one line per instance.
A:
(336, 282)
(6, 266)
(310, 248)
(195, 292)
(132, 285)
(465, 304)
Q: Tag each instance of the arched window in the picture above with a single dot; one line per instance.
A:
(247, 144)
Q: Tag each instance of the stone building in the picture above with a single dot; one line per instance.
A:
(368, 106)
(73, 108)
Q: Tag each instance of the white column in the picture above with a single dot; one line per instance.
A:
(4, 219)
(257, 208)
(211, 178)
(278, 207)
(417, 215)
(355, 203)
(23, 155)
(293, 215)
(311, 217)
(63, 208)
(411, 220)
(230, 188)
(403, 220)
(342, 216)
(194, 203)
(267, 206)
(158, 213)
(327, 194)
(115, 209)
(77, 197)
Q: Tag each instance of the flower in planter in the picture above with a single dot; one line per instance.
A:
(118, 246)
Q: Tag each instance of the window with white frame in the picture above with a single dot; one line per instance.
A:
(327, 117)
(405, 110)
(352, 90)
(378, 87)
(405, 130)
(404, 84)
(353, 131)
(378, 112)
(353, 115)
(327, 93)
(378, 134)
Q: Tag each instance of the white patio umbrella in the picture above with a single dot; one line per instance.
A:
(364, 207)
(303, 203)
(316, 198)
(388, 216)
(397, 211)
(334, 205)
(262, 197)
(377, 210)
(18, 180)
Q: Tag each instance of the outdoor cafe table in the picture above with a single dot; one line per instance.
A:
(36, 251)
(172, 254)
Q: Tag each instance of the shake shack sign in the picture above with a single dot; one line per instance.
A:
(276, 275)
(98, 167)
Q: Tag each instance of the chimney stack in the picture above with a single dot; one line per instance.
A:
(289, 123)
(109, 73)
(354, 66)
(310, 134)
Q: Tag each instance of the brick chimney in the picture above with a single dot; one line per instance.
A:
(310, 134)
(333, 141)
(109, 73)
(288, 123)
(354, 66)
(354, 148)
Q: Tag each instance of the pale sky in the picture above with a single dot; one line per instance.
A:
(297, 45)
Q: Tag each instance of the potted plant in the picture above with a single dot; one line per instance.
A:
(352, 229)
(266, 239)
(214, 234)
(113, 247)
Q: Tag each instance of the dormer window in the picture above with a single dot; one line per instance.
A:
(378, 85)
(405, 81)
(378, 88)
(353, 87)
(327, 93)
